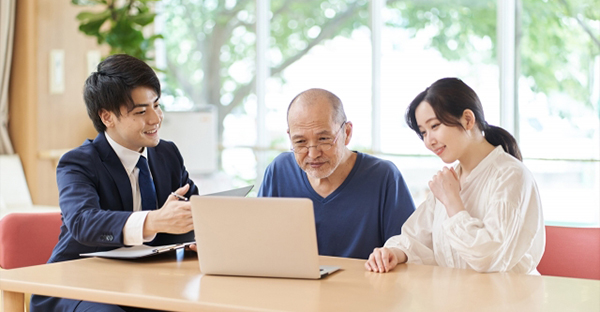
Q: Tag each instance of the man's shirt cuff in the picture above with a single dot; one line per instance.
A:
(133, 231)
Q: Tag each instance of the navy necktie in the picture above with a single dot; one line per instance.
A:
(147, 190)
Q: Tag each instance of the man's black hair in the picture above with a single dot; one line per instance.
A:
(110, 86)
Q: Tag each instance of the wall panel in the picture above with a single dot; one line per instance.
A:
(43, 124)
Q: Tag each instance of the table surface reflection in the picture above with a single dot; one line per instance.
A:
(176, 284)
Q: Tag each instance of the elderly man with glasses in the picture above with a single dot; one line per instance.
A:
(359, 200)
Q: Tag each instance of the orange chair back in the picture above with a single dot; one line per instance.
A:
(28, 238)
(571, 252)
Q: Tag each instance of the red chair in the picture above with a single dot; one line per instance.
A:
(571, 252)
(28, 238)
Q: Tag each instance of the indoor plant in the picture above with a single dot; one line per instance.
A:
(119, 24)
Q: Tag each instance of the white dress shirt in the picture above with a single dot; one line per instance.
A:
(133, 231)
(501, 230)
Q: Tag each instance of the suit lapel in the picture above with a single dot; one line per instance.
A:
(113, 165)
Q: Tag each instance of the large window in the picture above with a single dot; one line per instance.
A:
(210, 59)
(377, 56)
(559, 85)
(320, 44)
(422, 42)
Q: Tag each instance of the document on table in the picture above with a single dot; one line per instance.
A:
(239, 192)
(145, 250)
(135, 252)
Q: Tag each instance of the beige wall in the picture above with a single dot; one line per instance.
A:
(39, 121)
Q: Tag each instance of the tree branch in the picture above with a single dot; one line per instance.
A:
(328, 30)
(240, 94)
(283, 8)
(224, 32)
(189, 22)
(238, 7)
(581, 23)
(184, 83)
(210, 46)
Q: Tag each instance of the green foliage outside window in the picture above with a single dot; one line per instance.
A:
(206, 39)
(119, 24)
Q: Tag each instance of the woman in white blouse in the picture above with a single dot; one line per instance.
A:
(485, 213)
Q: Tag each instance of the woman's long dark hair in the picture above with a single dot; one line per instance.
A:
(449, 97)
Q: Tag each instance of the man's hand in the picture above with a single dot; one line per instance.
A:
(174, 217)
(193, 247)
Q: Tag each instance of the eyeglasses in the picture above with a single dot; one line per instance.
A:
(323, 147)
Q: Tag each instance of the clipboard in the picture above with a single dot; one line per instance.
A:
(143, 251)
(136, 252)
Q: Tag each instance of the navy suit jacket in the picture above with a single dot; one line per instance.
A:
(96, 200)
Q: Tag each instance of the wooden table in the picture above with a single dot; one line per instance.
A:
(176, 284)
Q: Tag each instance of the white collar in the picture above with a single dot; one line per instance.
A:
(128, 157)
(483, 164)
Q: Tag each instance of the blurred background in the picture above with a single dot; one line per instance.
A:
(230, 68)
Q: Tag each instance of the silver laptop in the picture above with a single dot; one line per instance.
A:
(269, 237)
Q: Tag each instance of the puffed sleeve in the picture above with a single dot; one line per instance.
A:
(507, 237)
(416, 239)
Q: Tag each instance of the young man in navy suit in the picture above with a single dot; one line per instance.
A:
(115, 191)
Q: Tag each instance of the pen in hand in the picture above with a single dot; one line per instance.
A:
(179, 196)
